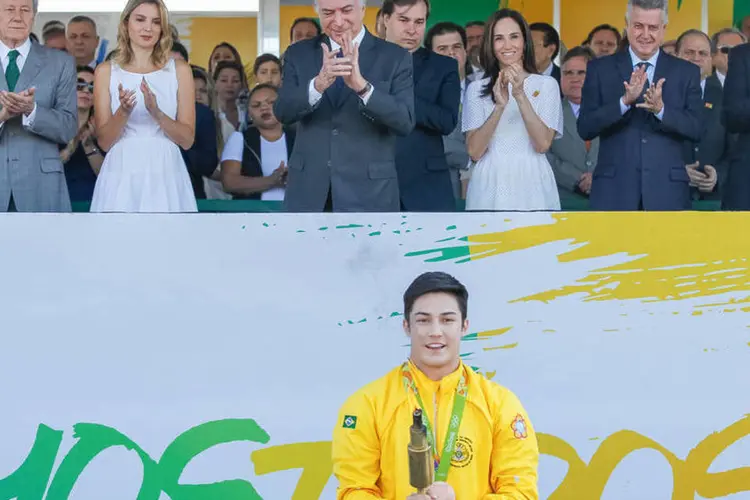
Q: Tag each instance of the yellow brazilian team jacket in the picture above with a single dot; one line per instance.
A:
(496, 455)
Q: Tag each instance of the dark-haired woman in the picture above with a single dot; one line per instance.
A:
(511, 118)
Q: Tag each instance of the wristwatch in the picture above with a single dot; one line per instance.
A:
(365, 90)
(94, 151)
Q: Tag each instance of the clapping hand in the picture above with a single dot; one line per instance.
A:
(634, 88)
(652, 100)
(149, 99)
(17, 103)
(354, 80)
(127, 99)
(333, 67)
(516, 77)
(278, 177)
(500, 90)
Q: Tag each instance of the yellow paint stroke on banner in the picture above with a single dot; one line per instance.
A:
(670, 256)
(582, 481)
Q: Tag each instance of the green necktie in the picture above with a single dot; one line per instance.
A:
(11, 72)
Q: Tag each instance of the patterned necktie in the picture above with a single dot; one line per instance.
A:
(588, 146)
(647, 84)
(337, 89)
(12, 72)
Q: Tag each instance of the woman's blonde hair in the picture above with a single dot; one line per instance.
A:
(163, 47)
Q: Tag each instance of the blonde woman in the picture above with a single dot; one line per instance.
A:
(145, 112)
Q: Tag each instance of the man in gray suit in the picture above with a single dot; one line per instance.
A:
(38, 111)
(573, 160)
(350, 94)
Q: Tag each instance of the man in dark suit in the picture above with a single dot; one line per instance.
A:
(203, 157)
(706, 160)
(642, 127)
(736, 195)
(351, 94)
(546, 48)
(423, 176)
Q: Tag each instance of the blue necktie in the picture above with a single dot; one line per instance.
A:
(645, 66)
(336, 91)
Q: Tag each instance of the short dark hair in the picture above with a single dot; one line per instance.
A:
(82, 19)
(580, 51)
(200, 73)
(85, 69)
(390, 5)
(52, 28)
(33, 37)
(180, 49)
(261, 86)
(444, 28)
(235, 66)
(301, 20)
(436, 282)
(471, 24)
(264, 58)
(603, 27)
(551, 36)
(688, 33)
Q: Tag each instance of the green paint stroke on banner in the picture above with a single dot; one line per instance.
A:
(461, 12)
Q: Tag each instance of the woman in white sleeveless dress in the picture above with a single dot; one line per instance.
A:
(145, 112)
(511, 118)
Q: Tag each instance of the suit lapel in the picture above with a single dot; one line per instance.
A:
(31, 67)
(625, 65)
(662, 66)
(569, 120)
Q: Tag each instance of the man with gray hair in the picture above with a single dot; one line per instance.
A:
(721, 43)
(38, 111)
(350, 94)
(643, 104)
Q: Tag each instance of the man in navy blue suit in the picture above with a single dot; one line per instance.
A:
(643, 126)
(736, 195)
(424, 178)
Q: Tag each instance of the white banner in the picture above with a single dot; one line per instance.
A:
(206, 356)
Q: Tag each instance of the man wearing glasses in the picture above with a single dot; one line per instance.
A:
(721, 43)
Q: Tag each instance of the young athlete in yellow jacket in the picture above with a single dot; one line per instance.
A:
(492, 451)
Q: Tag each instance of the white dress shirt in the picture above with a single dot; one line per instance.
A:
(23, 55)
(703, 88)
(721, 77)
(575, 107)
(650, 69)
(314, 96)
(548, 71)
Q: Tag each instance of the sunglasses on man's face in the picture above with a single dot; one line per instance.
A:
(725, 49)
(83, 85)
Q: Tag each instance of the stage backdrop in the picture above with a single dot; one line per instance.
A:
(206, 356)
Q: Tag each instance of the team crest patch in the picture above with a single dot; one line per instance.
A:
(350, 422)
(519, 427)
(464, 452)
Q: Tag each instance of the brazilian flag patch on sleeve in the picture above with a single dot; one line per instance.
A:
(350, 422)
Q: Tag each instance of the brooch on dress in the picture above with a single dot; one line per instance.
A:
(536, 93)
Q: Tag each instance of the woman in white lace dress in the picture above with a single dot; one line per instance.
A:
(145, 112)
(511, 118)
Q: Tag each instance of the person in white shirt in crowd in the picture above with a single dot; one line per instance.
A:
(253, 163)
(721, 43)
(449, 39)
(229, 82)
(53, 35)
(144, 106)
(38, 111)
(82, 40)
(510, 119)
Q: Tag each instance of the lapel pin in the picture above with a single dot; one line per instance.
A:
(709, 105)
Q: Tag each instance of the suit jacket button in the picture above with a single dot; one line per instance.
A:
(589, 163)
(335, 131)
(329, 163)
(644, 141)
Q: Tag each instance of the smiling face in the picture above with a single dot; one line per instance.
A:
(341, 17)
(405, 27)
(646, 30)
(145, 26)
(435, 327)
(507, 42)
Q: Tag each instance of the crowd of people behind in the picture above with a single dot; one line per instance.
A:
(398, 120)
